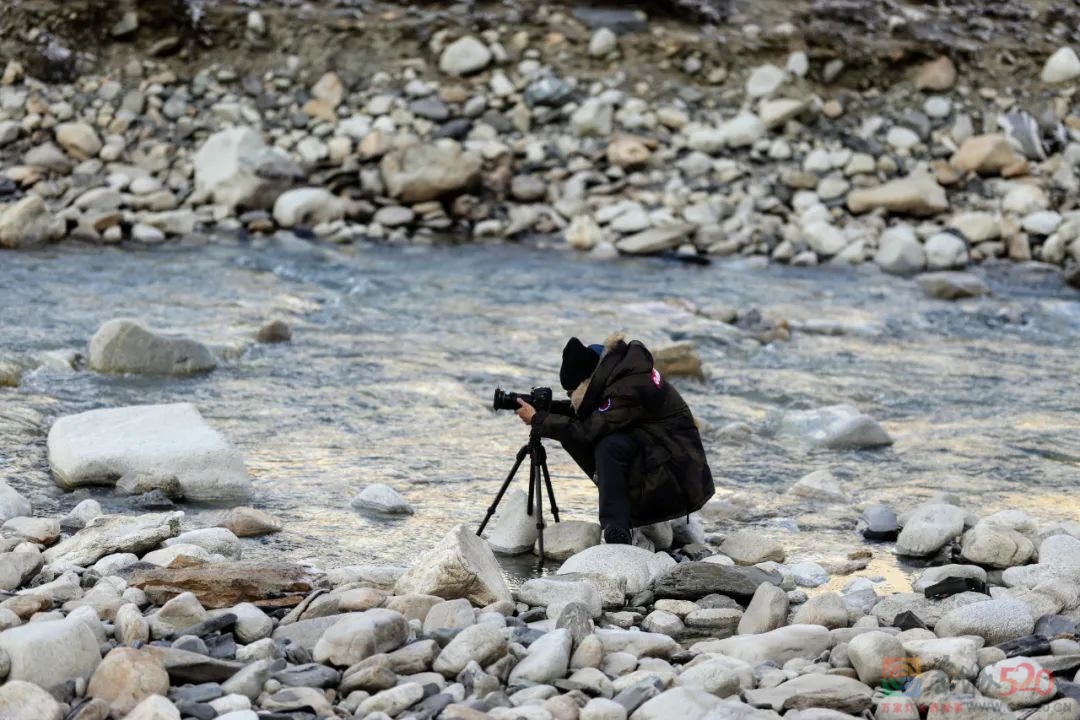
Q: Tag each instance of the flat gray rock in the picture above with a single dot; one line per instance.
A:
(636, 566)
(929, 528)
(50, 653)
(109, 534)
(655, 240)
(693, 580)
(778, 646)
(952, 285)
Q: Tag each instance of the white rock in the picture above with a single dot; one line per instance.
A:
(764, 80)
(603, 43)
(900, 252)
(779, 646)
(52, 652)
(690, 703)
(1024, 199)
(638, 567)
(482, 643)
(111, 534)
(584, 233)
(993, 546)
(20, 700)
(836, 427)
(382, 498)
(945, 251)
(993, 620)
(929, 528)
(870, 654)
(238, 169)
(547, 661)
(1041, 223)
(12, 504)
(1061, 67)
(216, 540)
(308, 207)
(154, 707)
(593, 119)
(977, 227)
(460, 565)
(464, 56)
(548, 591)
(147, 234)
(774, 113)
(80, 139)
(743, 130)
(515, 530)
(26, 222)
(157, 441)
(358, 636)
(392, 702)
(902, 138)
(824, 238)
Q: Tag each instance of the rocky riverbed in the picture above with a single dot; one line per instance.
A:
(258, 516)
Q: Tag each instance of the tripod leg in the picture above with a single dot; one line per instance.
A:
(502, 491)
(534, 481)
(550, 492)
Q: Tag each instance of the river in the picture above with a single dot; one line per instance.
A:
(396, 352)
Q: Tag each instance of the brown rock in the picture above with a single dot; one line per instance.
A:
(946, 174)
(376, 144)
(985, 154)
(222, 585)
(832, 109)
(1019, 168)
(628, 151)
(1019, 247)
(249, 522)
(26, 606)
(679, 360)
(329, 89)
(428, 172)
(320, 109)
(937, 75)
(126, 677)
(275, 331)
(917, 194)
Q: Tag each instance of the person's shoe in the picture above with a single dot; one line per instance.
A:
(617, 536)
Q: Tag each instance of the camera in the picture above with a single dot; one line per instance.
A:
(539, 398)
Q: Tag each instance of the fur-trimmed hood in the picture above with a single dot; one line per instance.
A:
(578, 394)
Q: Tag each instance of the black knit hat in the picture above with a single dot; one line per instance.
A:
(578, 364)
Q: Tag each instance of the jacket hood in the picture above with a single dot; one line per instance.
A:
(619, 360)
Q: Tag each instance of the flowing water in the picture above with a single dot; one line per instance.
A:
(396, 352)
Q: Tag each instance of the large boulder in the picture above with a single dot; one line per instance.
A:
(26, 222)
(21, 700)
(918, 194)
(515, 529)
(109, 534)
(815, 690)
(993, 620)
(126, 677)
(125, 346)
(236, 168)
(836, 427)
(994, 546)
(51, 652)
(357, 637)
(637, 566)
(461, 565)
(900, 252)
(547, 660)
(100, 447)
(929, 528)
(565, 539)
(420, 173)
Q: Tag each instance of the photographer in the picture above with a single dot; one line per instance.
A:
(630, 431)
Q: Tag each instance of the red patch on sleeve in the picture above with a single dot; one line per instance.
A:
(657, 379)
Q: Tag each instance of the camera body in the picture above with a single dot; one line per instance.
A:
(539, 398)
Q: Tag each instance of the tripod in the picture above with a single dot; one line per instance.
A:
(538, 476)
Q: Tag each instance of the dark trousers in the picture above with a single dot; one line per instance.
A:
(609, 463)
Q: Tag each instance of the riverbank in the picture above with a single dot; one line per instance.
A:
(559, 128)
(127, 617)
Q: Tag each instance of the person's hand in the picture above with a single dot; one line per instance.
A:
(525, 411)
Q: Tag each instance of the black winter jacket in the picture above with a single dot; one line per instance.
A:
(626, 394)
